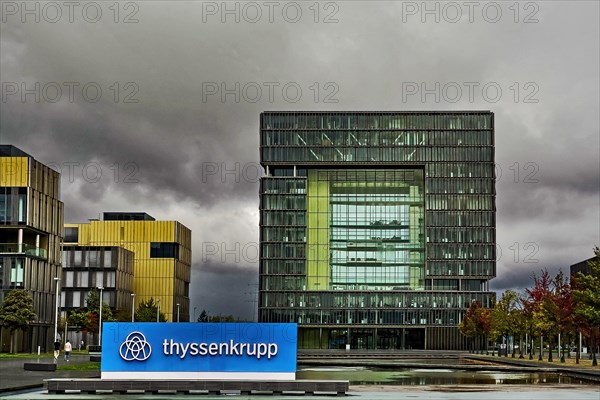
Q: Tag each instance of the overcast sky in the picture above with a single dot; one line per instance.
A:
(154, 106)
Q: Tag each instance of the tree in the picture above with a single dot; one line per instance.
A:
(93, 306)
(550, 307)
(587, 299)
(203, 317)
(222, 318)
(506, 317)
(537, 305)
(79, 317)
(87, 318)
(146, 312)
(16, 312)
(520, 325)
(123, 315)
(545, 319)
(563, 299)
(476, 323)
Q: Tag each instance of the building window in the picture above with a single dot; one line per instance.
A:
(107, 259)
(164, 250)
(5, 208)
(22, 213)
(77, 258)
(16, 274)
(71, 235)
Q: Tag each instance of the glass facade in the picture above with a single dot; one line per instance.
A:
(365, 229)
(13, 205)
(31, 220)
(88, 267)
(377, 225)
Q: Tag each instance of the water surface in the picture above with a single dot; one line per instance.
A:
(412, 376)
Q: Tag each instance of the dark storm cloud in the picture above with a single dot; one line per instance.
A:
(145, 153)
(224, 290)
(518, 279)
(186, 155)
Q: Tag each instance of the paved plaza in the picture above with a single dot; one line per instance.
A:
(13, 377)
(505, 392)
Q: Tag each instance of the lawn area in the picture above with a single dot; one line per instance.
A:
(35, 355)
(89, 366)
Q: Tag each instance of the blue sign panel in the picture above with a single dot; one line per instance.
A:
(149, 350)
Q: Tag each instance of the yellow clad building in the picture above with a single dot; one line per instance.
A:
(162, 256)
(31, 222)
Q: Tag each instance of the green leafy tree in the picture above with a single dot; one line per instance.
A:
(123, 315)
(146, 312)
(93, 306)
(506, 316)
(79, 317)
(87, 318)
(16, 312)
(520, 327)
(586, 293)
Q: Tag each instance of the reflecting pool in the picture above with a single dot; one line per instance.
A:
(415, 376)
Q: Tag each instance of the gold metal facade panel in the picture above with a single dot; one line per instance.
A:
(14, 171)
(158, 278)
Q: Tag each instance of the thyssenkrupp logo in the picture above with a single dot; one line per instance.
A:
(135, 347)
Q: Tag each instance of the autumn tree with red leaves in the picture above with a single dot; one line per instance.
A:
(537, 303)
(563, 299)
(549, 305)
(476, 324)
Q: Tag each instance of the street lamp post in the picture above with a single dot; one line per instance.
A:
(177, 312)
(194, 320)
(101, 288)
(132, 306)
(157, 309)
(57, 279)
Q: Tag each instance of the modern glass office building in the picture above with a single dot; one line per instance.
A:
(31, 231)
(377, 229)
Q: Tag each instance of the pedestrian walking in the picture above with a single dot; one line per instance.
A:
(81, 345)
(56, 350)
(68, 348)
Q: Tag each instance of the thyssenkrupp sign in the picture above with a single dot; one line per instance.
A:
(198, 351)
